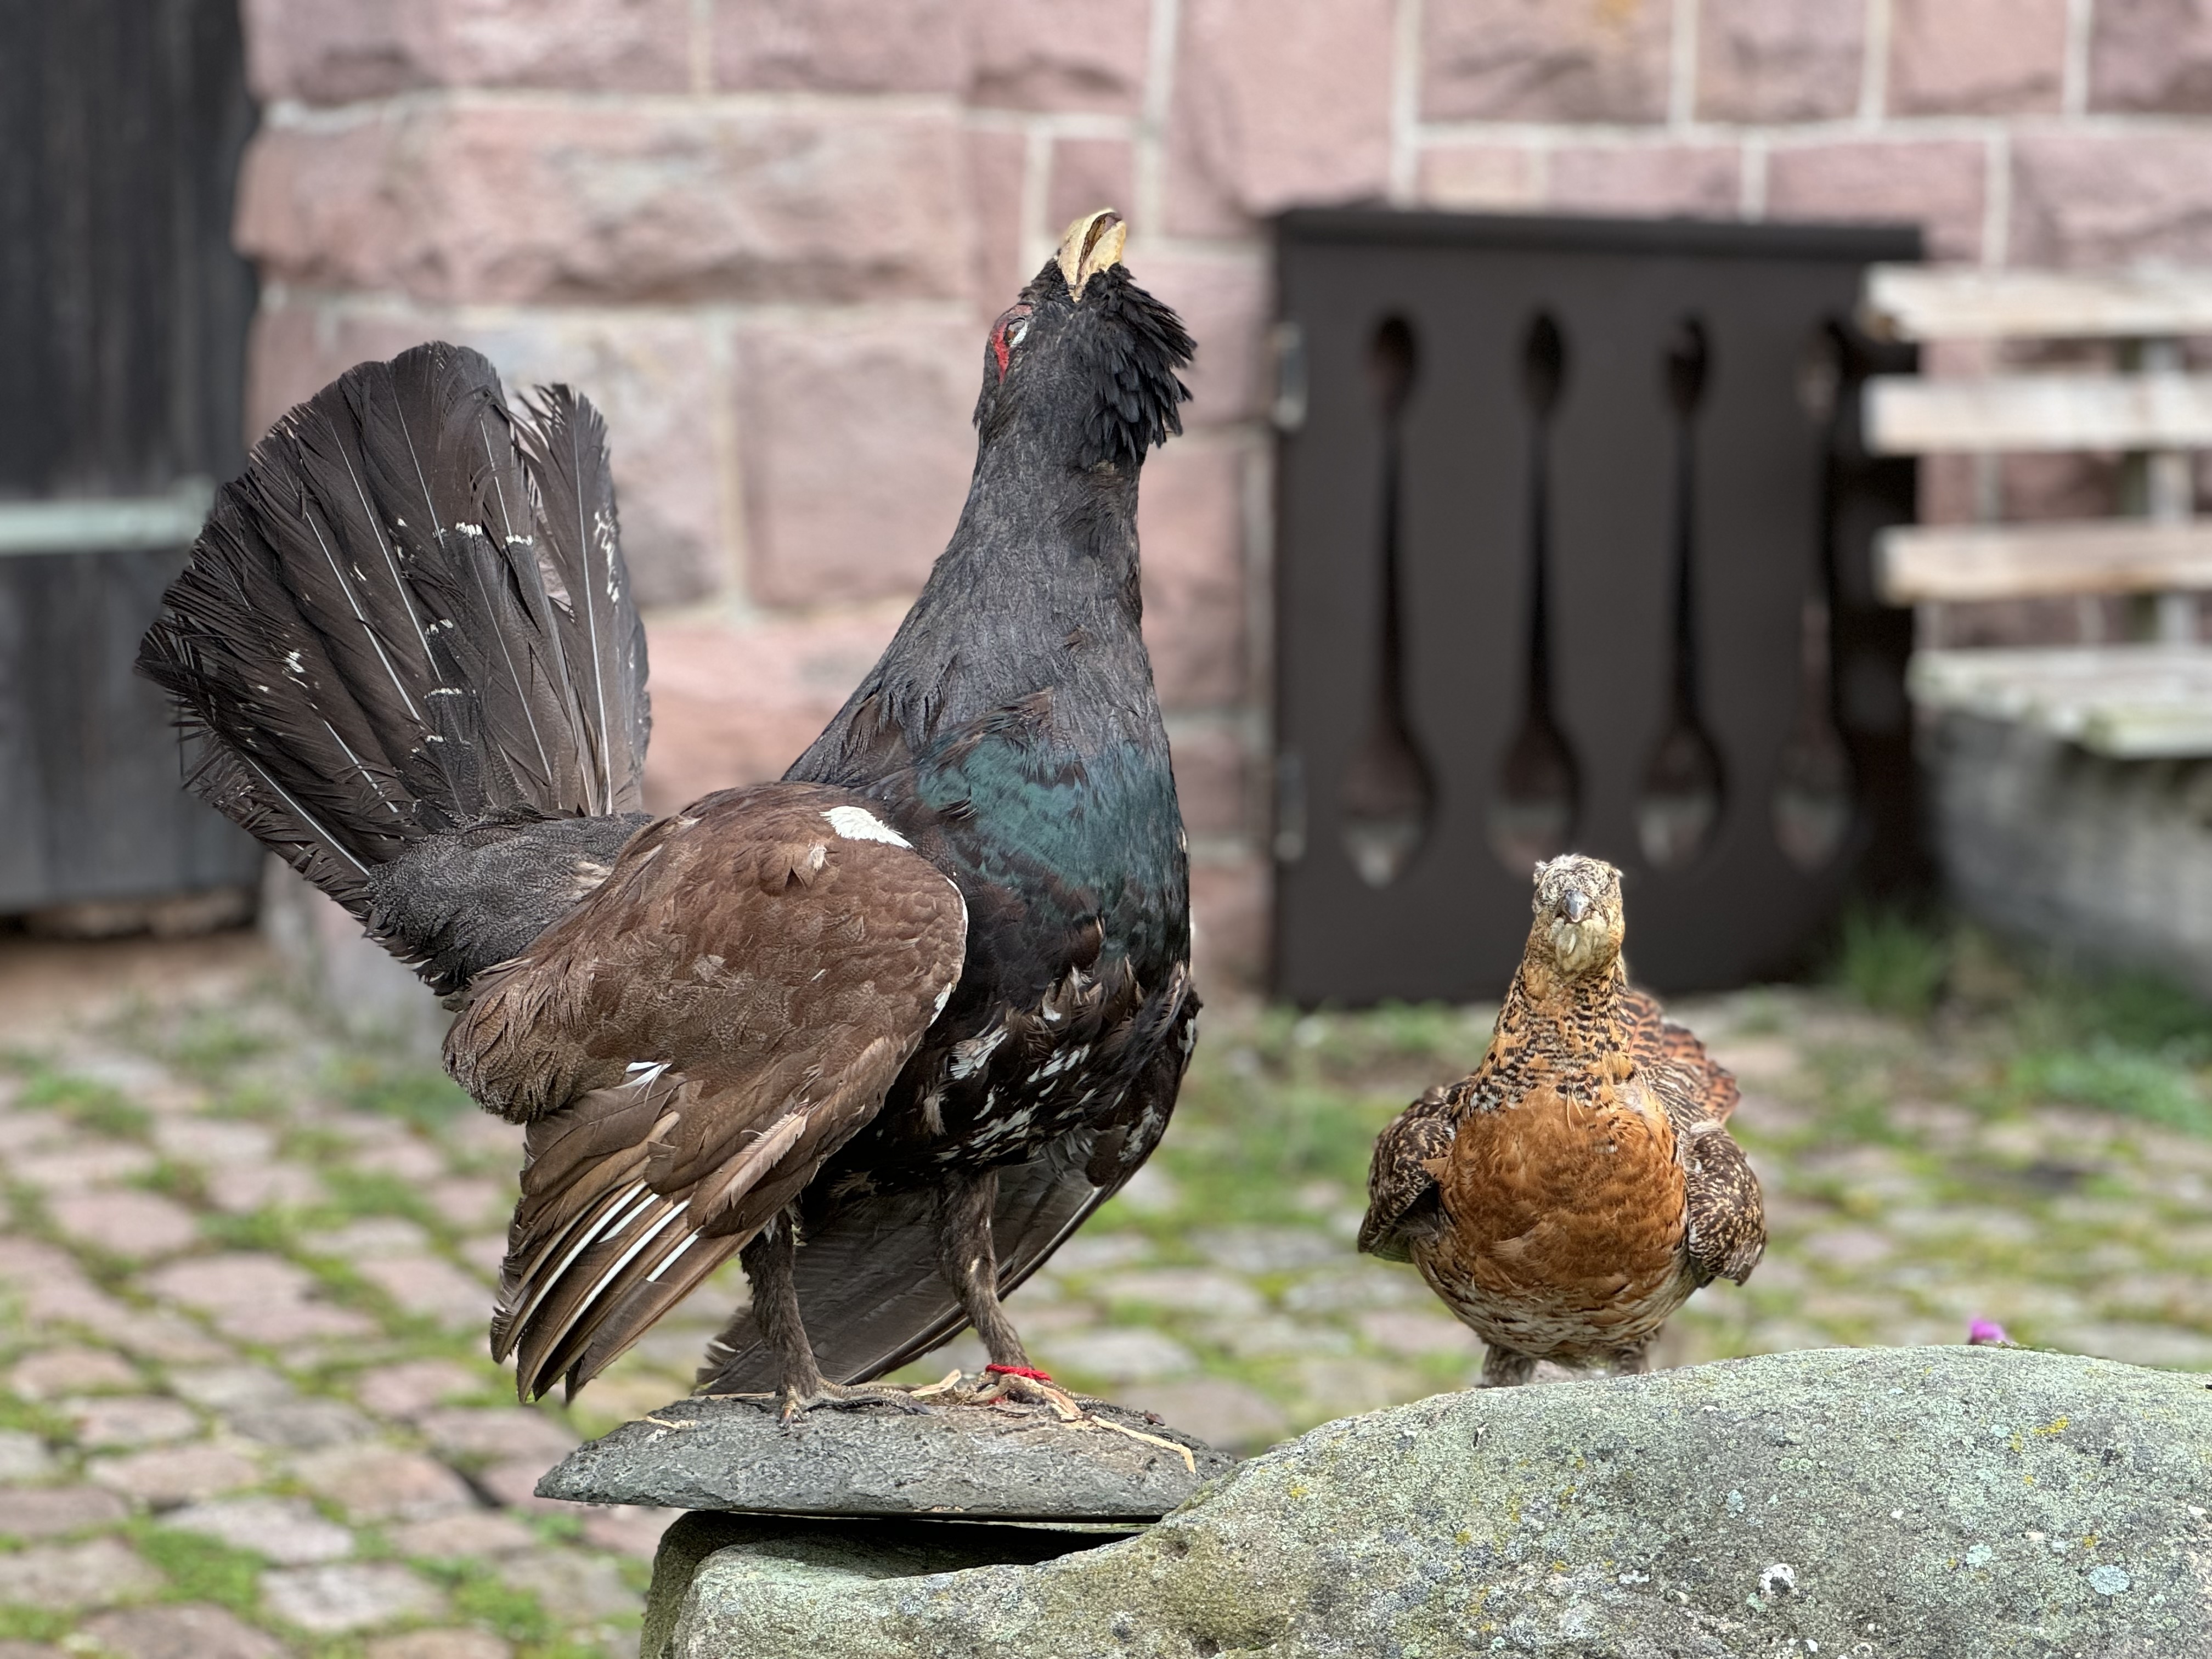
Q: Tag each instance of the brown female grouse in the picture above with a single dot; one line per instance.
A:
(1569, 1196)
(891, 1027)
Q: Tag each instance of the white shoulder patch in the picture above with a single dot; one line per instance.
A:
(858, 823)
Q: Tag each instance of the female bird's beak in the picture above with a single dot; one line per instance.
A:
(1092, 243)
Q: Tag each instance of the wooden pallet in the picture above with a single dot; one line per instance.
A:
(2132, 701)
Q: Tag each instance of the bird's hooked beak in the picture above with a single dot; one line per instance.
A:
(1092, 244)
(1576, 905)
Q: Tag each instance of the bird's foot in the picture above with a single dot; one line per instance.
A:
(792, 1404)
(1031, 1386)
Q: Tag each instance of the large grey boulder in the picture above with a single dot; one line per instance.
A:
(1909, 1504)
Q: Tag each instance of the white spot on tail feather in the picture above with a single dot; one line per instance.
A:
(858, 823)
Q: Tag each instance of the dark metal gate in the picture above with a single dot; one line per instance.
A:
(123, 320)
(1573, 549)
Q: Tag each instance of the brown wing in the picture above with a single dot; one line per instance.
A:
(1704, 1090)
(688, 1045)
(1727, 1230)
(1401, 1182)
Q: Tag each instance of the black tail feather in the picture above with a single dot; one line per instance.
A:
(410, 615)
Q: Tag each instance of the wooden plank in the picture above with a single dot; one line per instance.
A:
(1906, 415)
(1926, 302)
(2130, 702)
(1919, 562)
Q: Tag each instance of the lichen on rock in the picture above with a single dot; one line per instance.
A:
(1915, 1501)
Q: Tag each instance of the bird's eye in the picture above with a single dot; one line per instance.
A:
(1006, 334)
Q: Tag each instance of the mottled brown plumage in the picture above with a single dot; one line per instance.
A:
(1569, 1195)
(686, 1059)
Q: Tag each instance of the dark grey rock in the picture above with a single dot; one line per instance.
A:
(1896, 1503)
(999, 1462)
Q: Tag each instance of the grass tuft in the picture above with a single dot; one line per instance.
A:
(1892, 962)
(204, 1569)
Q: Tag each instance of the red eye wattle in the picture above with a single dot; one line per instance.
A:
(1006, 334)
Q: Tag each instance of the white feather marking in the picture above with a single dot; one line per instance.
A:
(943, 997)
(968, 1057)
(858, 823)
(644, 1073)
(621, 1261)
(592, 1232)
(669, 1261)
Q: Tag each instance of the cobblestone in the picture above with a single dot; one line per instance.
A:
(315, 1345)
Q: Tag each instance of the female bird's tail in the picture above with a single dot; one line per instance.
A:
(408, 620)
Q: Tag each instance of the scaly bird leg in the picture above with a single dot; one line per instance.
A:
(968, 1259)
(1502, 1368)
(800, 1385)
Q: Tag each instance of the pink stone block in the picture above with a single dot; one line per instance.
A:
(655, 201)
(377, 1483)
(477, 1532)
(440, 1644)
(328, 52)
(659, 382)
(2090, 200)
(194, 1631)
(1277, 105)
(1190, 525)
(1937, 183)
(512, 1432)
(49, 1511)
(336, 52)
(2151, 55)
(109, 1421)
(1797, 60)
(514, 1483)
(595, 45)
(997, 162)
(1545, 60)
(1480, 177)
(1087, 174)
(435, 1289)
(1702, 180)
(1223, 299)
(1228, 925)
(857, 448)
(134, 1225)
(627, 1528)
(408, 1390)
(58, 1371)
(840, 46)
(662, 384)
(173, 1475)
(1977, 57)
(1210, 776)
(1053, 55)
(737, 706)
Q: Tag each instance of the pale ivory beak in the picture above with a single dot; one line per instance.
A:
(1092, 243)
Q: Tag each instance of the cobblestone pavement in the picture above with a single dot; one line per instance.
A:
(245, 1409)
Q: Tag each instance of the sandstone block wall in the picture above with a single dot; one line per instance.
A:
(765, 235)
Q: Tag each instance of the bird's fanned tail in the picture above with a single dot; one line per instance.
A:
(408, 617)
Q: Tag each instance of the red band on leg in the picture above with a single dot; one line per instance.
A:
(1019, 1370)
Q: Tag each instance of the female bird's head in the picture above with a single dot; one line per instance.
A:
(1084, 362)
(1578, 923)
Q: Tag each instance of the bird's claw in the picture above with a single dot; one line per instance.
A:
(1033, 1387)
(840, 1396)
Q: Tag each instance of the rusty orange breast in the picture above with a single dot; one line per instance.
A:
(1566, 1216)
